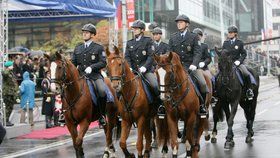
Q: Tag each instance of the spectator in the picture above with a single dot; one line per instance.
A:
(17, 70)
(10, 90)
(28, 66)
(2, 132)
(48, 100)
(27, 91)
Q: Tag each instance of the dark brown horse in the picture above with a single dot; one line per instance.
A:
(135, 107)
(77, 104)
(181, 102)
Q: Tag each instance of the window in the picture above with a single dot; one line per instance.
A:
(275, 12)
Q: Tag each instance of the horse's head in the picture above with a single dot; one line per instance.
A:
(225, 65)
(60, 73)
(115, 67)
(167, 66)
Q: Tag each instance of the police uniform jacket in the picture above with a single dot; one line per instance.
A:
(188, 48)
(236, 49)
(139, 53)
(162, 48)
(92, 56)
(205, 56)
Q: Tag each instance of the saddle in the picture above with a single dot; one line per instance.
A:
(94, 94)
(241, 77)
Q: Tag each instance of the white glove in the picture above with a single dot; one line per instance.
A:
(201, 64)
(142, 69)
(130, 69)
(88, 70)
(237, 63)
(192, 67)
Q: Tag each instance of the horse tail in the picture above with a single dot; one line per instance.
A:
(163, 130)
(118, 129)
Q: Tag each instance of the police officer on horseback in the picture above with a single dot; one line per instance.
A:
(238, 54)
(89, 58)
(186, 44)
(139, 55)
(160, 47)
(205, 55)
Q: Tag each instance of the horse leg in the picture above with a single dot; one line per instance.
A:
(84, 124)
(249, 111)
(74, 133)
(108, 129)
(190, 137)
(124, 135)
(217, 110)
(229, 138)
(148, 137)
(141, 124)
(153, 127)
(173, 128)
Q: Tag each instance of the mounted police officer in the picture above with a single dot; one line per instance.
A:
(89, 58)
(236, 48)
(205, 55)
(187, 46)
(160, 47)
(139, 55)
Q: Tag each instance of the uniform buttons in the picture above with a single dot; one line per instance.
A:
(182, 45)
(84, 59)
(84, 65)
(182, 51)
(84, 54)
(137, 55)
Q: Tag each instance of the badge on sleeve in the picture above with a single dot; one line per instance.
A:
(236, 47)
(92, 57)
(131, 47)
(153, 48)
(144, 52)
(199, 43)
(189, 48)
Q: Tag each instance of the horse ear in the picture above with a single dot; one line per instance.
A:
(58, 55)
(156, 57)
(117, 52)
(170, 56)
(107, 51)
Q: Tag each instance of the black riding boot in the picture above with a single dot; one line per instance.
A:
(249, 92)
(49, 122)
(202, 108)
(102, 107)
(161, 109)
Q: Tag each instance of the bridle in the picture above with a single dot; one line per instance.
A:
(172, 86)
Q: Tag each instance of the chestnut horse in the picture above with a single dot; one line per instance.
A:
(77, 105)
(135, 107)
(181, 102)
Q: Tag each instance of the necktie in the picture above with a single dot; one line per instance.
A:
(182, 35)
(231, 41)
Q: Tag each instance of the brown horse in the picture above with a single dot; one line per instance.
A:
(77, 105)
(181, 102)
(135, 107)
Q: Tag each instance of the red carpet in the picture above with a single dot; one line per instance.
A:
(51, 132)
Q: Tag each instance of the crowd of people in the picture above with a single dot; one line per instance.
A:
(22, 77)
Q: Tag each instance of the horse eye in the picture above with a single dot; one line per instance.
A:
(120, 64)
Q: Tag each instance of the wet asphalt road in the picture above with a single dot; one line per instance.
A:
(266, 142)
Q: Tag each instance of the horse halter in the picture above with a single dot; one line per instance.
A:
(171, 83)
(117, 78)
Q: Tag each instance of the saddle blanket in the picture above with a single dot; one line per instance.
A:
(110, 97)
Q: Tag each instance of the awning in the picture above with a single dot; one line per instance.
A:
(58, 9)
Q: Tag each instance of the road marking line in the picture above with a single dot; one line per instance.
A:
(261, 112)
(46, 146)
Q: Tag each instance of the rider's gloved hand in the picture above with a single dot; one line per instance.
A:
(192, 67)
(88, 70)
(237, 63)
(142, 69)
(201, 64)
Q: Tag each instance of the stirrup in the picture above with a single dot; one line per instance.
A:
(161, 112)
(204, 113)
(250, 94)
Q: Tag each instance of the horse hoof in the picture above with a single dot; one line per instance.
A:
(132, 156)
(229, 144)
(147, 154)
(106, 154)
(154, 144)
(207, 138)
(249, 139)
(140, 156)
(213, 140)
(174, 156)
(183, 140)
